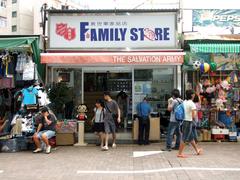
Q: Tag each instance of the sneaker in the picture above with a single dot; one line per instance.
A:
(167, 149)
(48, 149)
(104, 148)
(38, 150)
(146, 143)
(114, 145)
(175, 148)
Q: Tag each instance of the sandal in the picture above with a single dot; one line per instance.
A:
(181, 156)
(200, 151)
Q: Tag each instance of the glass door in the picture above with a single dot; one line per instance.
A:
(116, 80)
(156, 84)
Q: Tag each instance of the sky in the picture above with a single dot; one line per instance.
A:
(131, 4)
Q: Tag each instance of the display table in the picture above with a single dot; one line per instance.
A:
(154, 134)
(81, 132)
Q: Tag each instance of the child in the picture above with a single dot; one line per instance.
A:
(98, 119)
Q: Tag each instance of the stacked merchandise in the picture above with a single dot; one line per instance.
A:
(66, 132)
(22, 126)
(219, 92)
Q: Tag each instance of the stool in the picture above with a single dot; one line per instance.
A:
(218, 137)
(52, 142)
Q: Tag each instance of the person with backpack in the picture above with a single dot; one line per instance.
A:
(173, 126)
(143, 112)
(98, 120)
(190, 111)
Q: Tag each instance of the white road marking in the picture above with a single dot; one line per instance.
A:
(145, 153)
(159, 170)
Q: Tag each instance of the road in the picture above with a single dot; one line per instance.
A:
(219, 161)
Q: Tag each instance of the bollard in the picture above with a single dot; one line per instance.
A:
(81, 132)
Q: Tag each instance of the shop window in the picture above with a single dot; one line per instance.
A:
(3, 3)
(14, 28)
(14, 14)
(156, 85)
(3, 22)
(71, 78)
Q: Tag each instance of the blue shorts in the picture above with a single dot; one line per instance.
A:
(187, 131)
(48, 133)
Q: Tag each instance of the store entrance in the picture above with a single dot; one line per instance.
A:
(119, 83)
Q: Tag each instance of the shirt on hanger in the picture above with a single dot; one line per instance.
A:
(30, 95)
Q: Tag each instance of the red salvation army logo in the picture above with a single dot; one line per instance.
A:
(66, 32)
(149, 34)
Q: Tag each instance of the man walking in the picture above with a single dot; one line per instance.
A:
(112, 116)
(187, 132)
(173, 127)
(143, 111)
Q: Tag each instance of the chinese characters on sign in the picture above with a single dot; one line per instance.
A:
(113, 31)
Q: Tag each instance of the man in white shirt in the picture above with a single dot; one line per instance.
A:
(187, 133)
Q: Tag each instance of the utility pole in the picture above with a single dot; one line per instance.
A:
(44, 20)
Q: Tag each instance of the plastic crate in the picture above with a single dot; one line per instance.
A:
(218, 137)
(13, 145)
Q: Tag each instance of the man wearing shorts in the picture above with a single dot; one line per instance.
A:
(187, 126)
(45, 131)
(112, 117)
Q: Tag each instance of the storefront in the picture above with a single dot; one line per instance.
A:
(211, 68)
(20, 72)
(19, 67)
(131, 54)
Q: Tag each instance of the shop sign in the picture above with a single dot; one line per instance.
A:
(214, 21)
(98, 59)
(135, 31)
(224, 61)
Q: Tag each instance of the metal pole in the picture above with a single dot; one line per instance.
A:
(44, 20)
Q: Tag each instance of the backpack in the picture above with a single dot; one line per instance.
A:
(179, 112)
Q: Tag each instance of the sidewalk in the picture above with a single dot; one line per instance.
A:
(219, 161)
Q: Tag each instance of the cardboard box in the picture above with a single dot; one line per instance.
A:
(206, 135)
(233, 136)
(232, 133)
(65, 138)
(220, 131)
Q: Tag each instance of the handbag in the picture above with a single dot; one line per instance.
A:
(114, 115)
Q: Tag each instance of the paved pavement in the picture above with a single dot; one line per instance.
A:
(219, 161)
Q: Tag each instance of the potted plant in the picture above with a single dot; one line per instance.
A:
(59, 94)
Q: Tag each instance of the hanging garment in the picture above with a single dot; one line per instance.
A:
(42, 96)
(10, 69)
(1, 67)
(17, 127)
(6, 59)
(27, 124)
(21, 62)
(6, 83)
(29, 71)
(30, 96)
(14, 119)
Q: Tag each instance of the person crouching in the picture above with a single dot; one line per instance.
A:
(45, 130)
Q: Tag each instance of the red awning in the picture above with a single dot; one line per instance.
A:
(123, 58)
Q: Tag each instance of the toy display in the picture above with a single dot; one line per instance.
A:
(219, 90)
